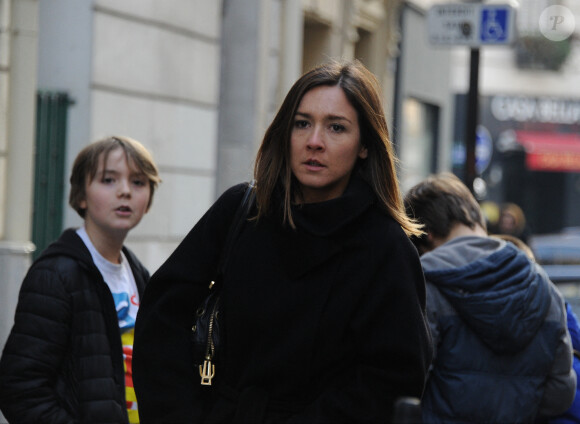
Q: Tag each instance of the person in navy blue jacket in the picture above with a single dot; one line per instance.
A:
(502, 350)
(572, 415)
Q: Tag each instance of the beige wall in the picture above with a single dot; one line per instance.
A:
(18, 78)
(153, 70)
(5, 40)
(18, 55)
(155, 77)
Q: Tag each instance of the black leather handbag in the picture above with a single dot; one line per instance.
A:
(205, 333)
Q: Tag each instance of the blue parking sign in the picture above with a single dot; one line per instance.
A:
(471, 24)
(494, 25)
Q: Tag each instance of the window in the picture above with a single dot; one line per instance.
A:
(418, 144)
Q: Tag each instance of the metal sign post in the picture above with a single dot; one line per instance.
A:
(472, 119)
(473, 25)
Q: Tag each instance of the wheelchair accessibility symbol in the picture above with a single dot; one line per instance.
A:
(494, 25)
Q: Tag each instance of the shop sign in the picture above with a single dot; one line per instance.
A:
(550, 151)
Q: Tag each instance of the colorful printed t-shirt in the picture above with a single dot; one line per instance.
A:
(121, 282)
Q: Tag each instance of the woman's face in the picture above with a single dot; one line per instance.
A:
(325, 143)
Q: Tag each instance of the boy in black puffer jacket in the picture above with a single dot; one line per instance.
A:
(68, 356)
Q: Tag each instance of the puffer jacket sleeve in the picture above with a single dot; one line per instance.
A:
(560, 387)
(34, 352)
(572, 415)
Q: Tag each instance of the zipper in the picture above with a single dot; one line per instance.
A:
(207, 370)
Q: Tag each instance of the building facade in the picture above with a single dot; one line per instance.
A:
(197, 82)
(529, 116)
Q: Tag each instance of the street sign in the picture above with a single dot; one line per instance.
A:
(471, 24)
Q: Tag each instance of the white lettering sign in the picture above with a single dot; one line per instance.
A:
(530, 109)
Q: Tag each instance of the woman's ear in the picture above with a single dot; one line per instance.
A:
(363, 153)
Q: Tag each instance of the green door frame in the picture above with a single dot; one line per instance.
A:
(51, 123)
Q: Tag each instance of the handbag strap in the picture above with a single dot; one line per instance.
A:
(237, 223)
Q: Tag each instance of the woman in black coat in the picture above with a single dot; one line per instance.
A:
(322, 300)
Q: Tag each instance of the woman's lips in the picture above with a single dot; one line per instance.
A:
(313, 165)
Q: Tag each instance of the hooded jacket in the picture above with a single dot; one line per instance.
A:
(502, 350)
(324, 324)
(63, 360)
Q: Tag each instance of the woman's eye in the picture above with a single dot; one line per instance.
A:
(108, 180)
(337, 127)
(300, 123)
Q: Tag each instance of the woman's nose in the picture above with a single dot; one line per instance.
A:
(316, 139)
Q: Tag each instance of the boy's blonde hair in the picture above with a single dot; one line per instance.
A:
(86, 165)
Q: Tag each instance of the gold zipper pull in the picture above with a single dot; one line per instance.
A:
(207, 372)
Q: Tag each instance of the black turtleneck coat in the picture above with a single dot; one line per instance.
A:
(324, 323)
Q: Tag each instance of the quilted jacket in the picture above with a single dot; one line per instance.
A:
(502, 351)
(63, 361)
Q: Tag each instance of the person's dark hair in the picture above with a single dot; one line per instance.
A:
(272, 167)
(86, 164)
(439, 202)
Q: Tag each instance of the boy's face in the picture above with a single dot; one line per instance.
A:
(116, 199)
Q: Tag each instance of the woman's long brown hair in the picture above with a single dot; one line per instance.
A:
(272, 166)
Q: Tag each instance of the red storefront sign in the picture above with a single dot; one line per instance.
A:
(547, 151)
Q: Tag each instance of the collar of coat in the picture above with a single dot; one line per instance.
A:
(69, 244)
(323, 228)
(326, 218)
